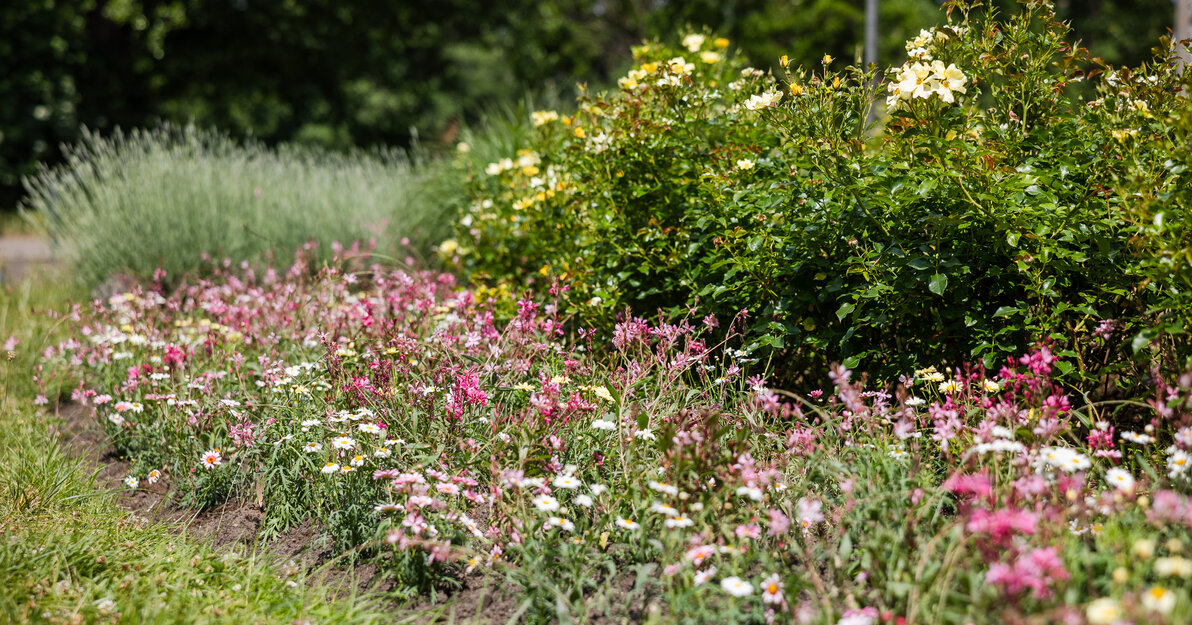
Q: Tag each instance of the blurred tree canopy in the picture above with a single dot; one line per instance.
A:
(363, 72)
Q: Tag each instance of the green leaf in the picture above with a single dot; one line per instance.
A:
(844, 310)
(1005, 311)
(1143, 338)
(846, 546)
(938, 283)
(922, 264)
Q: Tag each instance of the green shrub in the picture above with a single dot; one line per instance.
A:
(1157, 184)
(131, 203)
(983, 217)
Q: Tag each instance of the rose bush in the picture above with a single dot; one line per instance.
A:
(1003, 194)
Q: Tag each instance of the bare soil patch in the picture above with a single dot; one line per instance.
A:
(236, 524)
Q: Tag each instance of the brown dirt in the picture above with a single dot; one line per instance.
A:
(236, 525)
(231, 525)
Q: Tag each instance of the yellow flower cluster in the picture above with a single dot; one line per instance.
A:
(671, 72)
(541, 118)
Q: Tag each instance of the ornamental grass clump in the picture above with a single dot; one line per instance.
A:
(1011, 188)
(453, 435)
(166, 198)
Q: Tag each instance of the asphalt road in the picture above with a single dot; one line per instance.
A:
(21, 255)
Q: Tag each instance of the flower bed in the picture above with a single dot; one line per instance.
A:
(452, 434)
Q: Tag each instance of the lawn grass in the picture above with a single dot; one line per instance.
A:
(69, 554)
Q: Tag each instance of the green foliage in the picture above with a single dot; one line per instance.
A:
(371, 72)
(1156, 181)
(131, 203)
(982, 218)
(67, 551)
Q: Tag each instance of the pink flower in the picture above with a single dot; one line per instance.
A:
(751, 530)
(864, 616)
(779, 523)
(1170, 507)
(1002, 523)
(772, 590)
(1037, 571)
(810, 512)
(242, 434)
(977, 484)
(697, 555)
(1030, 486)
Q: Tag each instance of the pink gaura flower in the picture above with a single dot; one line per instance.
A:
(1002, 523)
(976, 484)
(810, 512)
(779, 523)
(749, 530)
(1036, 571)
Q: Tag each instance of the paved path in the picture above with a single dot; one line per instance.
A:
(20, 255)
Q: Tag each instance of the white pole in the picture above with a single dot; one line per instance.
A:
(871, 49)
(871, 31)
(1183, 29)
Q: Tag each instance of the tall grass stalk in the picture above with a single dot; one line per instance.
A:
(130, 203)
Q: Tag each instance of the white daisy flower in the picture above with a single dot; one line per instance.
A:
(664, 508)
(561, 523)
(546, 503)
(1141, 439)
(628, 524)
(567, 482)
(755, 494)
(736, 586)
(1178, 464)
(679, 522)
(211, 459)
(1120, 479)
(663, 487)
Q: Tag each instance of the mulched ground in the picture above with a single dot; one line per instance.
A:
(236, 525)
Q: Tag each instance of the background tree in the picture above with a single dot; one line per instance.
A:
(365, 72)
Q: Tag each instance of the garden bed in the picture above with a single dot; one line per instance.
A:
(458, 448)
